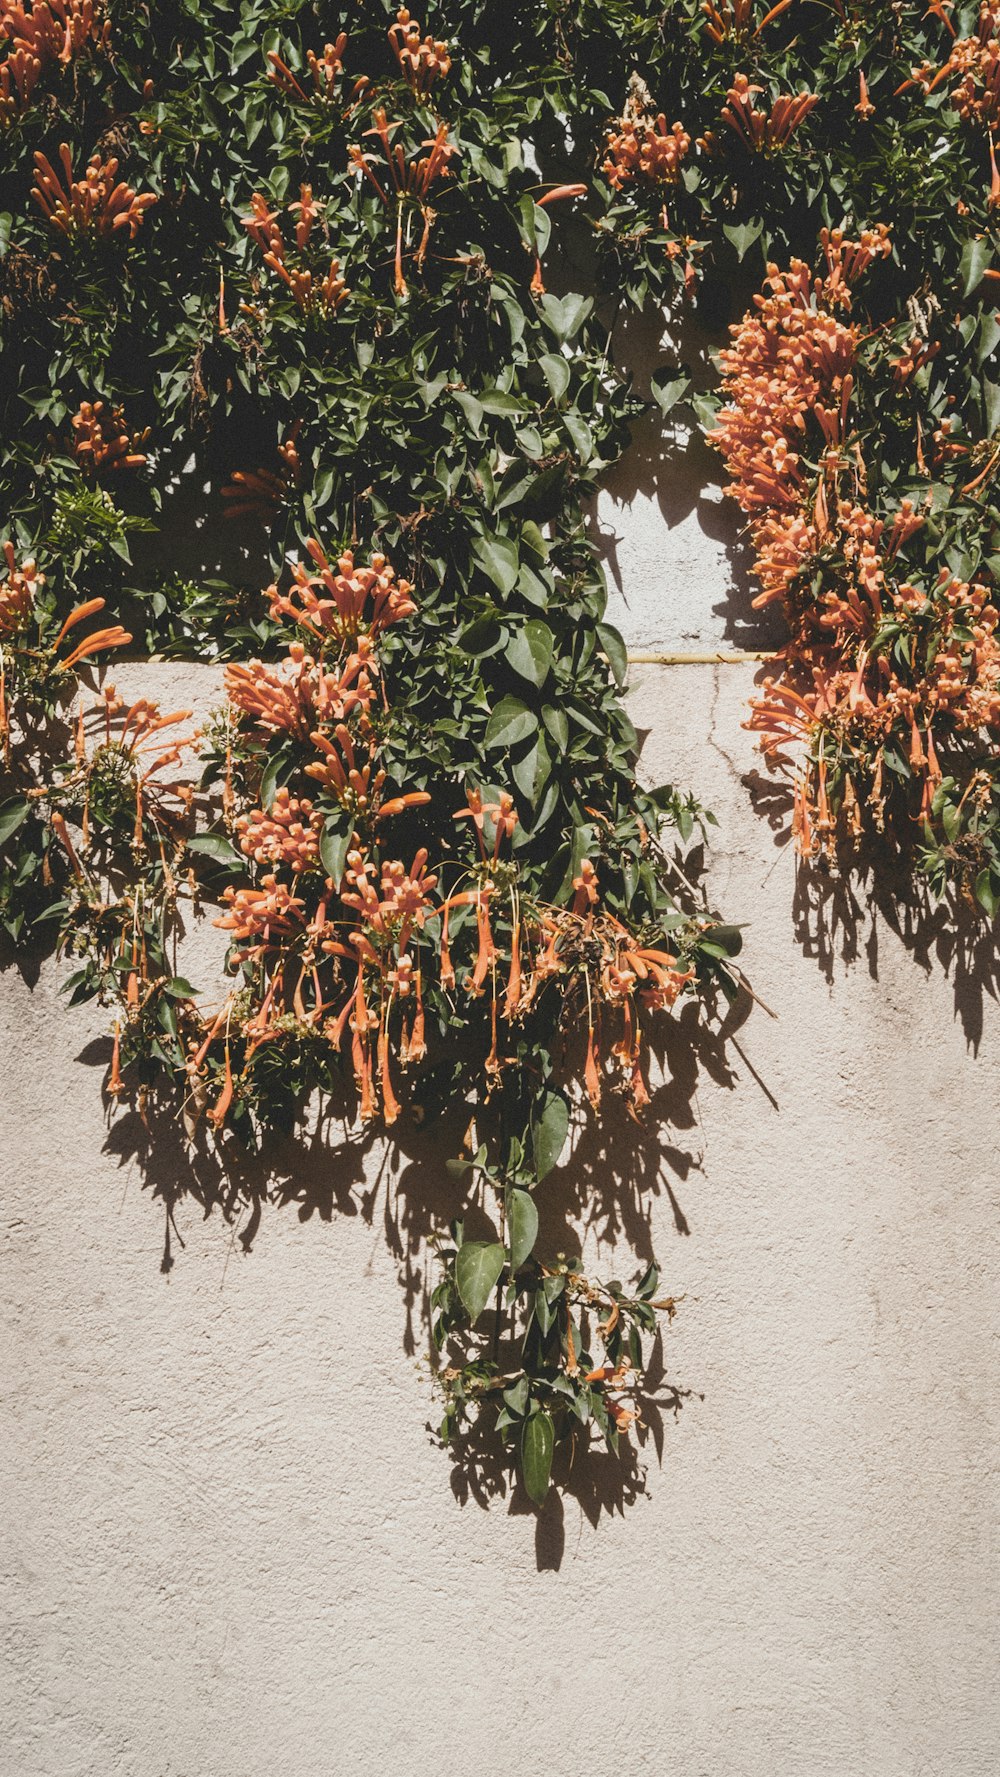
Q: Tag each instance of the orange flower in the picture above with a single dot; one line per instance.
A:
(95, 204)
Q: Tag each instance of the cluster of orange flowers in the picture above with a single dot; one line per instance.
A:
(640, 146)
(735, 18)
(102, 441)
(421, 60)
(261, 493)
(43, 34)
(312, 295)
(761, 132)
(789, 378)
(325, 74)
(98, 204)
(18, 589)
(338, 959)
(976, 63)
(409, 180)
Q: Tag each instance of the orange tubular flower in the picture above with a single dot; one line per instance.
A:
(261, 493)
(101, 639)
(421, 61)
(288, 834)
(642, 147)
(95, 204)
(313, 295)
(336, 604)
(17, 592)
(734, 18)
(976, 61)
(48, 33)
(54, 30)
(761, 131)
(294, 700)
(101, 440)
(325, 74)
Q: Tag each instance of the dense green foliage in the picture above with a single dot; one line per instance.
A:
(274, 307)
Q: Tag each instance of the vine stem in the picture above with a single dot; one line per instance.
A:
(498, 1307)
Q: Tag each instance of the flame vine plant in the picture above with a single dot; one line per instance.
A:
(279, 274)
(842, 157)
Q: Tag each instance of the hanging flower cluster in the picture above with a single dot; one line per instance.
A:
(445, 894)
(344, 937)
(40, 35)
(975, 63)
(98, 204)
(101, 440)
(313, 296)
(422, 61)
(642, 147)
(888, 703)
(764, 131)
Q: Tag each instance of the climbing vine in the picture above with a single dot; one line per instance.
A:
(844, 156)
(287, 283)
(295, 376)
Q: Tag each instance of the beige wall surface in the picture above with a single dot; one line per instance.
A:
(229, 1546)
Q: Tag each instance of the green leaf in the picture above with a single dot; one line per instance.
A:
(706, 411)
(555, 370)
(478, 1265)
(986, 893)
(217, 846)
(975, 258)
(522, 1227)
(472, 409)
(499, 560)
(537, 1441)
(530, 651)
(667, 387)
(615, 650)
(742, 235)
(510, 722)
(516, 1396)
(532, 772)
(333, 850)
(566, 315)
(6, 224)
(557, 724)
(12, 814)
(549, 1129)
(179, 988)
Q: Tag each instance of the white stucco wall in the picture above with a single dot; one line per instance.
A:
(229, 1545)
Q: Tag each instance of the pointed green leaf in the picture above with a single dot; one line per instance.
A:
(975, 259)
(498, 558)
(556, 373)
(217, 846)
(523, 1227)
(510, 722)
(537, 1441)
(12, 814)
(667, 387)
(478, 1265)
(549, 1129)
(532, 773)
(530, 651)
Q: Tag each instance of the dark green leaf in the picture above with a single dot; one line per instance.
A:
(478, 1265)
(537, 1441)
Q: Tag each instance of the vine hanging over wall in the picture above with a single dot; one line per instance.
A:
(293, 279)
(305, 266)
(852, 149)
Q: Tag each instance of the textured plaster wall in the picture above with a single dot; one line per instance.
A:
(229, 1545)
